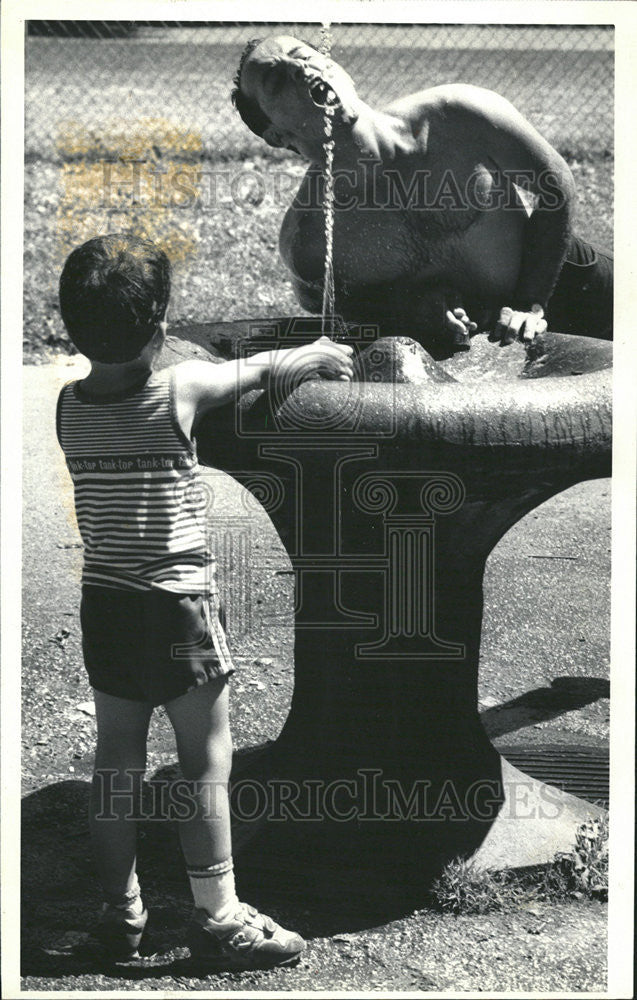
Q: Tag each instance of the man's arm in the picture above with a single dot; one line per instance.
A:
(548, 228)
(524, 157)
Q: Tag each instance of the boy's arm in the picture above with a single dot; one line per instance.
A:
(201, 385)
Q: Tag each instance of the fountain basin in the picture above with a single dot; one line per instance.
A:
(389, 499)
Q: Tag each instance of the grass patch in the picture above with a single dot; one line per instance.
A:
(581, 873)
(151, 138)
(461, 889)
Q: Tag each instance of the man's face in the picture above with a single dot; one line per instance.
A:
(292, 83)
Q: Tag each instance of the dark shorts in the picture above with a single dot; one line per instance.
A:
(582, 301)
(152, 645)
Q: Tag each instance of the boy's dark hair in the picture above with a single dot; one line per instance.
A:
(114, 292)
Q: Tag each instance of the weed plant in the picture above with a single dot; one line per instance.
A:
(581, 873)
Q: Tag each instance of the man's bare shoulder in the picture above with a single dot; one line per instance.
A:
(450, 97)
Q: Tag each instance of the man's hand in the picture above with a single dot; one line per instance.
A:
(321, 359)
(460, 326)
(513, 325)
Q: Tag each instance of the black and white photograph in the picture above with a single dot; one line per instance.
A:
(318, 494)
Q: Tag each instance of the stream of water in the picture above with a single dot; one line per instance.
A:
(327, 314)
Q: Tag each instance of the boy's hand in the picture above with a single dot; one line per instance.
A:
(321, 359)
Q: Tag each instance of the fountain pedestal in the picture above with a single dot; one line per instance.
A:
(389, 498)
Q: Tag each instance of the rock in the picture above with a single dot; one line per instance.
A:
(61, 637)
(400, 360)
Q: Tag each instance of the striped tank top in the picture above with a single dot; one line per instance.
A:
(139, 499)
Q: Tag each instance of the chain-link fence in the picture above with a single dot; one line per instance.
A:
(102, 94)
(98, 76)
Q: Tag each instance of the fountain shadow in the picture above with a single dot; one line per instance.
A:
(60, 893)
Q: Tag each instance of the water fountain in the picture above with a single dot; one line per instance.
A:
(389, 498)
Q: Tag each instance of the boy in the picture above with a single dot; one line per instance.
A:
(147, 633)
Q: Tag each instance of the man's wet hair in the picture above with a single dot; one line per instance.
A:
(114, 292)
(248, 107)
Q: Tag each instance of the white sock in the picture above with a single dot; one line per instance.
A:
(213, 889)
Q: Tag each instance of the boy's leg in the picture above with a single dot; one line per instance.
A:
(120, 762)
(204, 747)
(224, 932)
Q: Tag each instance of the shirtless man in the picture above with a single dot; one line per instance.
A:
(448, 205)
